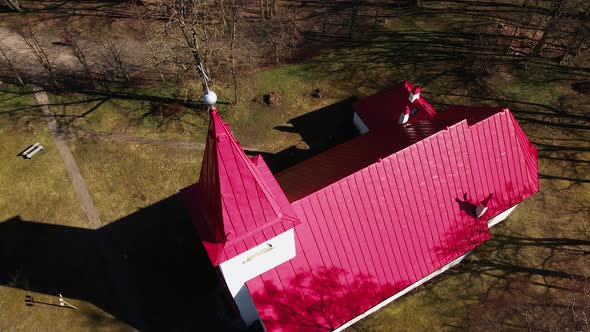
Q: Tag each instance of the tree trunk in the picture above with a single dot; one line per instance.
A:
(11, 66)
(353, 16)
(262, 10)
(523, 12)
(274, 7)
(558, 7)
(14, 5)
(277, 58)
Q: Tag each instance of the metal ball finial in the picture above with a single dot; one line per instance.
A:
(210, 98)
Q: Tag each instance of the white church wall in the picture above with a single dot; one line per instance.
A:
(258, 260)
(251, 264)
(495, 220)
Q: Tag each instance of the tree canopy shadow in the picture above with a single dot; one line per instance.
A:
(349, 296)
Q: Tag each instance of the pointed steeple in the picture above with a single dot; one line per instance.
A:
(240, 202)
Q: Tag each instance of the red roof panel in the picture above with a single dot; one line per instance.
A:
(372, 233)
(381, 110)
(347, 158)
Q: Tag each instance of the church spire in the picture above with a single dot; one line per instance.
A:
(240, 203)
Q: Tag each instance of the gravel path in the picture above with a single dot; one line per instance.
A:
(69, 161)
(118, 273)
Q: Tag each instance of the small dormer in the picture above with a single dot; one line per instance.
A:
(244, 220)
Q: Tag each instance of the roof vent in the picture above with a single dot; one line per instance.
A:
(482, 207)
(415, 94)
(404, 116)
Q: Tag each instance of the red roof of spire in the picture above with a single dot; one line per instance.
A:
(237, 200)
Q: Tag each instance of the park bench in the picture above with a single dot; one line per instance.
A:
(32, 150)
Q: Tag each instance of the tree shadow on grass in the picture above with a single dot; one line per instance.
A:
(535, 283)
(148, 269)
(332, 297)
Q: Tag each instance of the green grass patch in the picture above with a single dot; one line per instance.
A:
(130, 117)
(38, 189)
(124, 177)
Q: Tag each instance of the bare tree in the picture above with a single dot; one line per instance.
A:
(79, 54)
(187, 17)
(115, 53)
(39, 53)
(14, 5)
(268, 9)
(8, 59)
(275, 32)
(523, 12)
(556, 12)
(157, 60)
(232, 16)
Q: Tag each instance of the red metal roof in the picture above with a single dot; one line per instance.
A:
(377, 213)
(381, 110)
(347, 158)
(372, 233)
(237, 203)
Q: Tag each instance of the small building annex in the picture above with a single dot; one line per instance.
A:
(322, 244)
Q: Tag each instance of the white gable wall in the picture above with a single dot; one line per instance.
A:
(253, 263)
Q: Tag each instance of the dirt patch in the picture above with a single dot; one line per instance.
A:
(273, 98)
(319, 93)
(270, 99)
(500, 74)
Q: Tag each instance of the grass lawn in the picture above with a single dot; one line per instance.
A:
(124, 177)
(37, 189)
(38, 192)
(124, 117)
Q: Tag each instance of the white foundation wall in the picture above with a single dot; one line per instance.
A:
(253, 263)
(495, 220)
(359, 124)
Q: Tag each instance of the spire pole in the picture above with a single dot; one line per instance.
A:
(209, 97)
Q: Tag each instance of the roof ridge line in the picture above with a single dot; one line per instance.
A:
(272, 200)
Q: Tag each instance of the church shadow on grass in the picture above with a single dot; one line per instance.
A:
(319, 130)
(147, 269)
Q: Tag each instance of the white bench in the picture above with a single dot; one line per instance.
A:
(32, 150)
